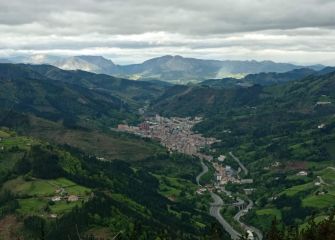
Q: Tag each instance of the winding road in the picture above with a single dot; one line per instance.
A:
(204, 171)
(215, 212)
(216, 206)
(245, 170)
(245, 226)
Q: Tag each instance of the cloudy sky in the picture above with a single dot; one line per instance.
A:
(130, 31)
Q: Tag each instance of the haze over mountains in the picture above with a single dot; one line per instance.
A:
(174, 69)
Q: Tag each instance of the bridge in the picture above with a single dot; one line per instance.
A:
(240, 205)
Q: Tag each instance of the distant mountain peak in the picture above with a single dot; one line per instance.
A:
(4, 60)
(94, 58)
(96, 64)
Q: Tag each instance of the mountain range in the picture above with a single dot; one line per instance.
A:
(266, 78)
(48, 92)
(174, 69)
(276, 129)
(300, 88)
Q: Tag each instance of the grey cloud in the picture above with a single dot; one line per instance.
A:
(146, 28)
(187, 17)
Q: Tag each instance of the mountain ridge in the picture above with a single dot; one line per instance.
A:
(266, 79)
(59, 95)
(174, 69)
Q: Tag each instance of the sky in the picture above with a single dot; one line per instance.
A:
(131, 31)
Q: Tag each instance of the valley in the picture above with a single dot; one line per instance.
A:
(176, 135)
(167, 120)
(159, 156)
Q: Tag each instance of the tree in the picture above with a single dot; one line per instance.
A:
(45, 163)
(216, 232)
(274, 233)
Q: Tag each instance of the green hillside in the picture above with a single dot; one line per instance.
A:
(277, 131)
(72, 96)
(65, 171)
(93, 197)
(68, 107)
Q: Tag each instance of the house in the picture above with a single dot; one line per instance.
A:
(246, 181)
(144, 126)
(323, 103)
(276, 164)
(56, 198)
(302, 173)
(250, 235)
(201, 191)
(123, 127)
(73, 198)
(221, 158)
(228, 168)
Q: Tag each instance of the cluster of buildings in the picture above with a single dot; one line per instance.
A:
(63, 195)
(225, 174)
(174, 133)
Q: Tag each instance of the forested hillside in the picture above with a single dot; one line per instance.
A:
(56, 95)
(54, 192)
(277, 131)
(66, 172)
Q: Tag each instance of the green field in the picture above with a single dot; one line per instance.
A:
(32, 206)
(328, 175)
(9, 141)
(38, 205)
(63, 207)
(45, 188)
(320, 201)
(299, 188)
(34, 196)
(172, 187)
(269, 211)
(4, 134)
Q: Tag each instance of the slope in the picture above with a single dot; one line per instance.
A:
(54, 192)
(284, 134)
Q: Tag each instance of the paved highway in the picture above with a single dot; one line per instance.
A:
(245, 170)
(216, 207)
(204, 171)
(215, 212)
(247, 227)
